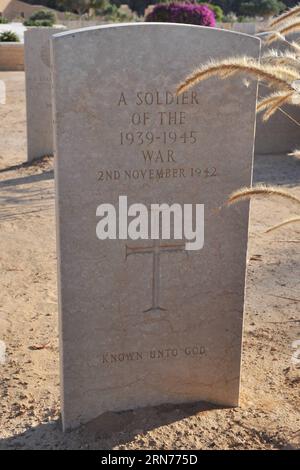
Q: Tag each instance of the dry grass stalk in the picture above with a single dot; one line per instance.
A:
(294, 45)
(275, 75)
(291, 13)
(288, 28)
(289, 74)
(293, 220)
(291, 27)
(272, 99)
(287, 58)
(261, 190)
(288, 116)
(278, 69)
(272, 107)
(297, 41)
(266, 191)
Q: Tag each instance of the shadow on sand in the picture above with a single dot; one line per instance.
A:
(115, 429)
(25, 195)
(107, 431)
(276, 169)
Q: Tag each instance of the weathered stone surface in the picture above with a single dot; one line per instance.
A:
(38, 92)
(11, 56)
(119, 350)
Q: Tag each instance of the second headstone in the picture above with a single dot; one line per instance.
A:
(38, 92)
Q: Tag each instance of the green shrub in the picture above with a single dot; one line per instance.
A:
(216, 9)
(3, 20)
(38, 23)
(113, 13)
(41, 18)
(43, 15)
(110, 9)
(245, 19)
(9, 36)
(230, 18)
(261, 7)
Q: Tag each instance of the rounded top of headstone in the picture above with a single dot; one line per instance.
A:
(150, 25)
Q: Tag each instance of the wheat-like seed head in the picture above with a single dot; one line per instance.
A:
(292, 12)
(294, 45)
(291, 27)
(283, 71)
(266, 191)
(297, 41)
(276, 75)
(287, 58)
(269, 100)
(276, 36)
(279, 54)
(261, 190)
(276, 105)
(272, 102)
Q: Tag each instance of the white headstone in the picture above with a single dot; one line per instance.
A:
(38, 92)
(145, 322)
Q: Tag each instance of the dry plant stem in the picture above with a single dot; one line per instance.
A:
(264, 103)
(285, 241)
(286, 16)
(279, 77)
(290, 28)
(289, 117)
(294, 45)
(282, 71)
(273, 108)
(272, 103)
(282, 111)
(247, 193)
(287, 59)
(284, 223)
(275, 36)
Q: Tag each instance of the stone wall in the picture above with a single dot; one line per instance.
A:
(17, 9)
(11, 56)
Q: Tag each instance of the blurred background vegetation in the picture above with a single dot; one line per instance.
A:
(133, 10)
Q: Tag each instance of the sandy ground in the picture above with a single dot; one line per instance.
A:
(269, 416)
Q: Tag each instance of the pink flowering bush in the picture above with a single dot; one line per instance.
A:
(188, 13)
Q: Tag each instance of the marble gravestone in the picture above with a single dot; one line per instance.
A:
(146, 322)
(38, 91)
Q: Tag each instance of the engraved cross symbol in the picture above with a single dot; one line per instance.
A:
(156, 249)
